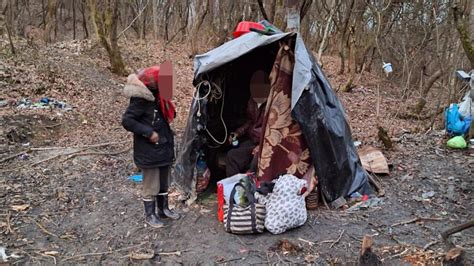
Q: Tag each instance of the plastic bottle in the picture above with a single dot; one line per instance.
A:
(201, 164)
(202, 173)
(235, 141)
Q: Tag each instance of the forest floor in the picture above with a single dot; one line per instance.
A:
(65, 196)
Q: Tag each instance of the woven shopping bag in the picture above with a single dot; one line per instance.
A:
(244, 220)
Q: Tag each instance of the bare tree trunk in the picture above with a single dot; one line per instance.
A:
(8, 24)
(51, 13)
(461, 21)
(344, 36)
(56, 20)
(201, 17)
(105, 24)
(262, 10)
(272, 11)
(305, 8)
(43, 13)
(144, 23)
(426, 89)
(325, 36)
(168, 7)
(154, 15)
(73, 19)
(116, 60)
(279, 15)
(84, 21)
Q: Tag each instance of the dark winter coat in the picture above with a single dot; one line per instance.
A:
(142, 117)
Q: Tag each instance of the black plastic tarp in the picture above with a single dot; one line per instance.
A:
(328, 135)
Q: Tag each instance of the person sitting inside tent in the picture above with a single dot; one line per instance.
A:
(241, 158)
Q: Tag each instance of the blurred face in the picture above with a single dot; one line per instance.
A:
(259, 86)
(167, 80)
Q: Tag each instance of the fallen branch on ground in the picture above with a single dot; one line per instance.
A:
(454, 230)
(430, 244)
(95, 153)
(418, 219)
(306, 241)
(54, 157)
(101, 253)
(401, 243)
(42, 228)
(80, 146)
(71, 155)
(338, 239)
(171, 253)
(229, 260)
(52, 126)
(13, 156)
(47, 256)
(9, 226)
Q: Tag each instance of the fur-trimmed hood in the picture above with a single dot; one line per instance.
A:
(135, 88)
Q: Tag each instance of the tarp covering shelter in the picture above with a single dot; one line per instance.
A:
(314, 107)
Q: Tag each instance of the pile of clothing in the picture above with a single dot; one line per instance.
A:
(43, 103)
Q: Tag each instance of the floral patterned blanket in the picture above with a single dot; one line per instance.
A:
(282, 149)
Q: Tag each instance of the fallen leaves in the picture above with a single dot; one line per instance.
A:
(310, 258)
(286, 247)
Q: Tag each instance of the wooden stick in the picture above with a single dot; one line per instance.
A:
(13, 156)
(324, 200)
(95, 153)
(418, 219)
(398, 241)
(9, 228)
(42, 228)
(80, 146)
(52, 126)
(45, 160)
(430, 244)
(454, 230)
(171, 253)
(56, 156)
(230, 260)
(101, 253)
(337, 240)
(306, 241)
(47, 256)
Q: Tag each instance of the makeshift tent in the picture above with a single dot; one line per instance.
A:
(222, 78)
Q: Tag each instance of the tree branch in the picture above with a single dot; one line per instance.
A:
(262, 10)
(133, 21)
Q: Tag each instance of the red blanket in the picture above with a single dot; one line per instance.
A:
(282, 148)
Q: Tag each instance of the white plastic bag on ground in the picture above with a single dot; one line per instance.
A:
(286, 207)
(466, 107)
(228, 184)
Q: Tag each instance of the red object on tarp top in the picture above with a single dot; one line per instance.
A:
(244, 27)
